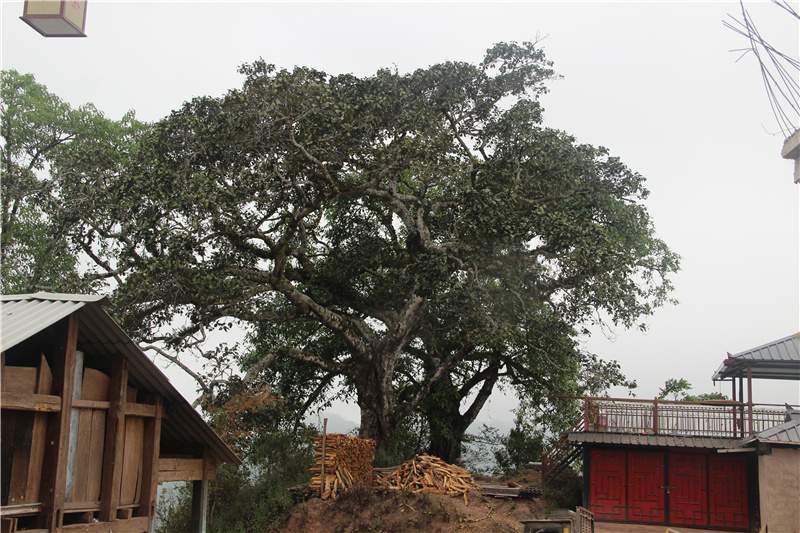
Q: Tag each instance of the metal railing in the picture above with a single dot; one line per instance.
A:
(560, 453)
(718, 418)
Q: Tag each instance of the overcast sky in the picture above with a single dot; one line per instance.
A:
(656, 83)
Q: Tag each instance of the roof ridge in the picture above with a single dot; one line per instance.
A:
(53, 296)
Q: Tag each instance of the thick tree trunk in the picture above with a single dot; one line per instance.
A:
(376, 400)
(446, 440)
(445, 422)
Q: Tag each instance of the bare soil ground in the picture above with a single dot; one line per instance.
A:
(377, 511)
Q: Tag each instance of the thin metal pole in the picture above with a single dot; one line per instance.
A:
(586, 414)
(741, 404)
(750, 400)
(655, 417)
(322, 472)
(733, 397)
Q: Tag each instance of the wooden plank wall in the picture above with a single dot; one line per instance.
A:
(115, 465)
(26, 431)
(115, 470)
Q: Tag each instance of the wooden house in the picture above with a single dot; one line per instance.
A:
(730, 465)
(90, 425)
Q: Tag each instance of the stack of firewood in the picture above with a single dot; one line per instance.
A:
(426, 473)
(347, 463)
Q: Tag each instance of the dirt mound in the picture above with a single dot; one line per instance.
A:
(380, 511)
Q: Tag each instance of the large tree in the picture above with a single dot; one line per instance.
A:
(366, 211)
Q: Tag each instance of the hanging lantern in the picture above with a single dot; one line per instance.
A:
(56, 18)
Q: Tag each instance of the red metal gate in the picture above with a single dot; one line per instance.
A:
(646, 487)
(607, 484)
(705, 489)
(688, 490)
(727, 480)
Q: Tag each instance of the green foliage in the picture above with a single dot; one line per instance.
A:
(239, 502)
(678, 389)
(409, 438)
(566, 490)
(674, 387)
(705, 397)
(277, 453)
(45, 143)
(521, 447)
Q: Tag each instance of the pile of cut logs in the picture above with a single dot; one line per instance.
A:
(345, 463)
(426, 473)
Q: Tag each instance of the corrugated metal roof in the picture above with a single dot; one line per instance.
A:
(779, 359)
(20, 320)
(24, 315)
(786, 433)
(667, 441)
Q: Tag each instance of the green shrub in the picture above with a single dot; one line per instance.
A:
(252, 497)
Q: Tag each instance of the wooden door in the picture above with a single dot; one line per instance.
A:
(607, 484)
(727, 485)
(646, 487)
(688, 490)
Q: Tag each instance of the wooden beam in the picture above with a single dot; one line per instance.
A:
(90, 404)
(150, 467)
(115, 441)
(142, 410)
(20, 509)
(133, 525)
(185, 469)
(54, 474)
(37, 403)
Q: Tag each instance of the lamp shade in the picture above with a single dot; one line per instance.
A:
(56, 18)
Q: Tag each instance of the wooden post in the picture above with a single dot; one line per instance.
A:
(322, 470)
(655, 417)
(750, 401)
(115, 441)
(150, 454)
(54, 475)
(74, 421)
(199, 505)
(44, 383)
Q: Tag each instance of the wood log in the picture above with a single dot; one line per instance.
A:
(343, 463)
(426, 473)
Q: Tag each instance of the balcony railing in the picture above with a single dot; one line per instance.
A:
(663, 417)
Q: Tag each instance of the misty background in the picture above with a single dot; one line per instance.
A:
(656, 83)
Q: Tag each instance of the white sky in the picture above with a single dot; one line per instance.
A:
(654, 82)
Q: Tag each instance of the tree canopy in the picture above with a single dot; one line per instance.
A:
(415, 235)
